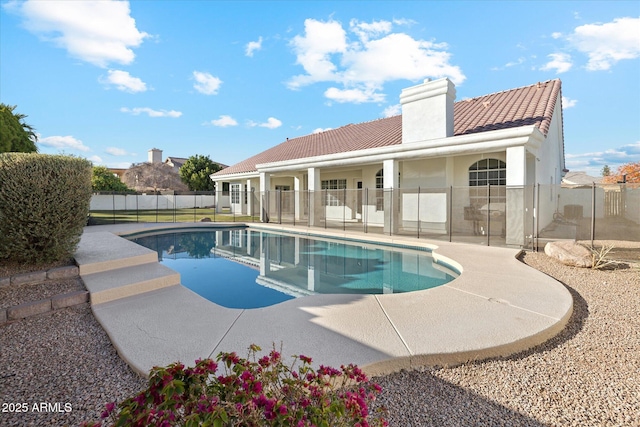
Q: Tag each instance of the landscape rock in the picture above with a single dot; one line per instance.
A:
(28, 278)
(67, 300)
(66, 272)
(205, 219)
(28, 309)
(569, 253)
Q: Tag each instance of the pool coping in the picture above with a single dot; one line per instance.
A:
(498, 306)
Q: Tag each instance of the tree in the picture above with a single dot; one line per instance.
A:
(606, 170)
(15, 134)
(195, 173)
(153, 177)
(631, 170)
(102, 179)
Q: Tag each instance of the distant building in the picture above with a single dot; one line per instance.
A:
(579, 179)
(155, 156)
(117, 172)
(175, 162)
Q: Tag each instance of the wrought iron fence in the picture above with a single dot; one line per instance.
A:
(524, 216)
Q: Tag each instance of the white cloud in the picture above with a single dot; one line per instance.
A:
(123, 81)
(561, 62)
(63, 142)
(253, 46)
(392, 110)
(114, 151)
(632, 148)
(95, 160)
(365, 30)
(355, 96)
(593, 162)
(556, 35)
(98, 32)
(606, 44)
(313, 51)
(224, 121)
(364, 64)
(520, 61)
(568, 102)
(271, 123)
(150, 112)
(206, 83)
(319, 130)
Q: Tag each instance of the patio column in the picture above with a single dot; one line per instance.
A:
(219, 196)
(265, 186)
(249, 207)
(297, 201)
(315, 197)
(515, 210)
(391, 202)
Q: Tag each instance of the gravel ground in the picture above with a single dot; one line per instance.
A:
(14, 295)
(589, 375)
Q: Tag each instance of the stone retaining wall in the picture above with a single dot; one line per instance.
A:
(56, 302)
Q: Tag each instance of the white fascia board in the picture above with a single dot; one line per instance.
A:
(490, 141)
(235, 176)
(536, 140)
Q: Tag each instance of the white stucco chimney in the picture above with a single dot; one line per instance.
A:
(155, 156)
(427, 110)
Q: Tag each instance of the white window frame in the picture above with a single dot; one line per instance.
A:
(235, 194)
(332, 187)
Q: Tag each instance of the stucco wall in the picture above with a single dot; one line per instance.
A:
(100, 202)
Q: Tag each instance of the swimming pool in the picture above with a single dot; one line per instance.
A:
(247, 268)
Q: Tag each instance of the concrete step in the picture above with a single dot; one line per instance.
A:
(123, 282)
(104, 251)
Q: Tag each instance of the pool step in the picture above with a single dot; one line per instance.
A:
(113, 267)
(128, 281)
(104, 251)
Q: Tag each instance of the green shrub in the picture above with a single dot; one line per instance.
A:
(249, 392)
(44, 203)
(103, 179)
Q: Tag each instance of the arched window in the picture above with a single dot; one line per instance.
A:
(488, 171)
(380, 190)
(492, 172)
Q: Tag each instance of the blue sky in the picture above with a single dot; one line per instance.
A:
(110, 80)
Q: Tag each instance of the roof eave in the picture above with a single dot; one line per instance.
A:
(235, 176)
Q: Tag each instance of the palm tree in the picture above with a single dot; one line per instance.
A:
(15, 134)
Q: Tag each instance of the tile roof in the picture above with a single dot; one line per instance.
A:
(529, 105)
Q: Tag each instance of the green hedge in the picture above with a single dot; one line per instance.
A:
(44, 203)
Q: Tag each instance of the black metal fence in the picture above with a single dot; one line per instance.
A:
(525, 217)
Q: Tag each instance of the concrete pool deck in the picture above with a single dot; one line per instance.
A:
(497, 306)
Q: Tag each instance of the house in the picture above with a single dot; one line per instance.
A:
(175, 162)
(579, 179)
(437, 165)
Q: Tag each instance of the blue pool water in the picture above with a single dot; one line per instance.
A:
(244, 268)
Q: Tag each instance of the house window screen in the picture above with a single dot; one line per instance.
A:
(485, 172)
(333, 196)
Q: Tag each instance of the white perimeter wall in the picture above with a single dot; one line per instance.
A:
(104, 202)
